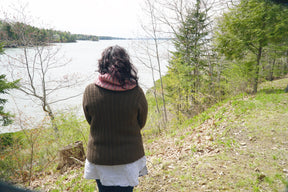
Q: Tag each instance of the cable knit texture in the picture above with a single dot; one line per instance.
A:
(116, 119)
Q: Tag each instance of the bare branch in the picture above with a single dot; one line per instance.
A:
(36, 64)
(67, 98)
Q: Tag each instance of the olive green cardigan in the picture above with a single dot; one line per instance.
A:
(116, 119)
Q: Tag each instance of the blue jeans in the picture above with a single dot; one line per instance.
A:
(103, 188)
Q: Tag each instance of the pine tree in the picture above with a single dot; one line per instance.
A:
(188, 61)
(5, 86)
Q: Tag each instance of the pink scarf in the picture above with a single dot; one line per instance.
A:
(106, 81)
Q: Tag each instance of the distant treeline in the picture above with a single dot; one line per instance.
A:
(86, 37)
(11, 34)
(136, 38)
(110, 38)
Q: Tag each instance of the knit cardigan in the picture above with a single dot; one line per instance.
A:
(116, 119)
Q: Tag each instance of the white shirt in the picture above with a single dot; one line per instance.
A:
(117, 175)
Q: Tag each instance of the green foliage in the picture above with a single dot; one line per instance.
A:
(71, 128)
(63, 37)
(253, 30)
(5, 86)
(237, 77)
(249, 25)
(86, 37)
(10, 34)
(9, 139)
(11, 164)
(34, 149)
(6, 140)
(190, 72)
(154, 119)
(1, 48)
(190, 41)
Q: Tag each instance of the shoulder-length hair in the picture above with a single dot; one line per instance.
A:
(116, 62)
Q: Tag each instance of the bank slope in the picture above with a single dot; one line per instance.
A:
(239, 145)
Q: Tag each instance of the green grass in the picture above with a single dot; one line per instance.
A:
(248, 150)
(34, 150)
(74, 181)
(239, 144)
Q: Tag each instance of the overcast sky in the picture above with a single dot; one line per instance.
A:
(120, 18)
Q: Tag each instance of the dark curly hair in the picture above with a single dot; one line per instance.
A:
(116, 62)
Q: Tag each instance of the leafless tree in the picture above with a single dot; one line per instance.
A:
(153, 32)
(38, 65)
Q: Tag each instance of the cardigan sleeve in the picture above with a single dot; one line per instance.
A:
(85, 105)
(142, 110)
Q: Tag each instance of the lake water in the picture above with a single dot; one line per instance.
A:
(83, 57)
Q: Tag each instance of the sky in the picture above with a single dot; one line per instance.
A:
(118, 18)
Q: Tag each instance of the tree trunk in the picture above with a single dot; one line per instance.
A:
(51, 115)
(272, 70)
(161, 82)
(255, 86)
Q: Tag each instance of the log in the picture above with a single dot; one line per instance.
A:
(71, 155)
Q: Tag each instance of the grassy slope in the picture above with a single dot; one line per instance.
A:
(239, 145)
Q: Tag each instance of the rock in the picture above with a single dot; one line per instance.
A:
(243, 144)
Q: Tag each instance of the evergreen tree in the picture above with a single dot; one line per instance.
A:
(187, 66)
(5, 86)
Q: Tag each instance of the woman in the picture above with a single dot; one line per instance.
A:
(116, 109)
